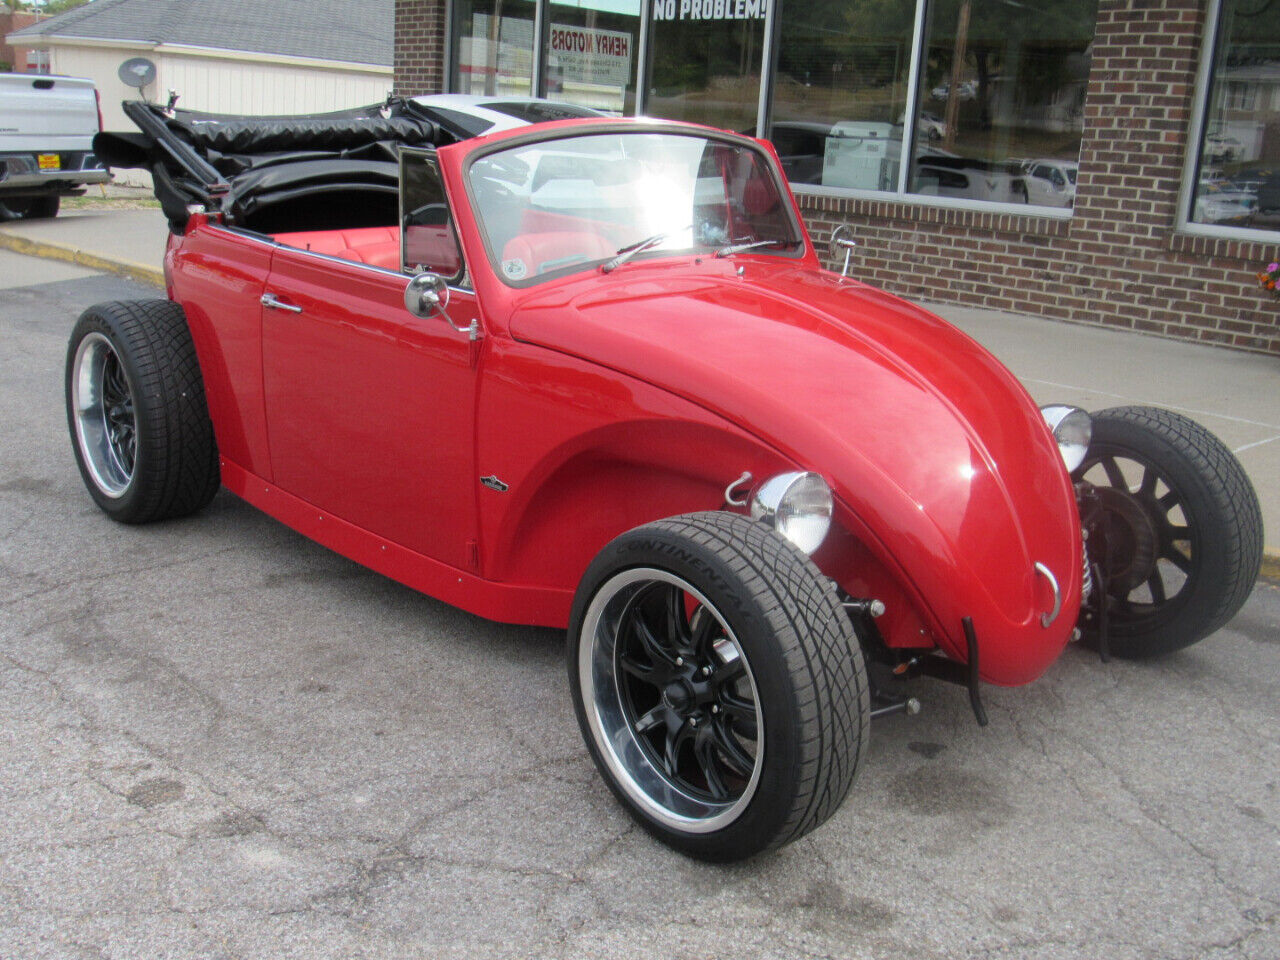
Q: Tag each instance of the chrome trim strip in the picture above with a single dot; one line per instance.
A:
(273, 242)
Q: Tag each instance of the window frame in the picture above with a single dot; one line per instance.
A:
(768, 78)
(460, 279)
(1196, 130)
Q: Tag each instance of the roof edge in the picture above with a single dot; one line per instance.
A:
(44, 41)
(253, 56)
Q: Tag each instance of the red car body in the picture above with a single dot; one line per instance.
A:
(488, 472)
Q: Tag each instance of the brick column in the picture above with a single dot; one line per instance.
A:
(1122, 261)
(419, 47)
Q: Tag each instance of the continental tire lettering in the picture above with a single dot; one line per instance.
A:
(681, 554)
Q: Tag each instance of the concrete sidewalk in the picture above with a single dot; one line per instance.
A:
(1235, 395)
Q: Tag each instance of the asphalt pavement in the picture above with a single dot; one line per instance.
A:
(220, 740)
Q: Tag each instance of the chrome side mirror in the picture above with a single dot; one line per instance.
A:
(428, 294)
(842, 243)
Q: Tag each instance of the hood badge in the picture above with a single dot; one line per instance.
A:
(493, 483)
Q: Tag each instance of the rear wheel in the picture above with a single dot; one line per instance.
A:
(1178, 530)
(718, 684)
(136, 411)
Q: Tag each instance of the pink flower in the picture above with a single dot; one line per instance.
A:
(1273, 267)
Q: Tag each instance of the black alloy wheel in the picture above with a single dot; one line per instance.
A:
(718, 684)
(685, 692)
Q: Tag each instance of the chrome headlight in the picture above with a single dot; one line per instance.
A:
(1073, 429)
(798, 505)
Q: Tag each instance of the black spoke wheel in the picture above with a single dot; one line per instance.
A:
(136, 410)
(718, 684)
(671, 676)
(1180, 532)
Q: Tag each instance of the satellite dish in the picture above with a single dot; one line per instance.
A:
(137, 72)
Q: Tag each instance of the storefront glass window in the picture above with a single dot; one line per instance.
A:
(840, 97)
(493, 47)
(1238, 175)
(706, 57)
(991, 92)
(591, 53)
(1001, 100)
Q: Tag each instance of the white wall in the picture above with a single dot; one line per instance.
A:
(218, 84)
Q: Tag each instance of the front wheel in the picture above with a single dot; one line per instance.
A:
(1174, 525)
(718, 684)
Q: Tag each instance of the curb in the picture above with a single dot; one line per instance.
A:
(57, 251)
(1270, 566)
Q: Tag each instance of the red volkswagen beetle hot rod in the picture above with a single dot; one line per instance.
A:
(590, 373)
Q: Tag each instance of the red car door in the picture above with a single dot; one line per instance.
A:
(370, 409)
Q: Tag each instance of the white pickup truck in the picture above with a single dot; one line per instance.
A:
(46, 142)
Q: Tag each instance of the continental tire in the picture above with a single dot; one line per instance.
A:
(718, 684)
(136, 410)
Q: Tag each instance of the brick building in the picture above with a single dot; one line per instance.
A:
(18, 59)
(1097, 161)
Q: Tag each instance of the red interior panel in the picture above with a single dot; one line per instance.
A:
(377, 246)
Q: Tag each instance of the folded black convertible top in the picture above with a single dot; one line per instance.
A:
(326, 170)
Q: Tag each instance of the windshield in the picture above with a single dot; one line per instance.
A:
(560, 206)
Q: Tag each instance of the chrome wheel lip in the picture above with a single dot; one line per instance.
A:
(89, 415)
(628, 761)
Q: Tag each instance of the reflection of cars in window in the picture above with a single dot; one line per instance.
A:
(801, 146)
(930, 126)
(967, 90)
(962, 177)
(1050, 183)
(1222, 148)
(1221, 201)
(760, 496)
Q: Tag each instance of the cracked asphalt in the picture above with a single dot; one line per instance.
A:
(219, 740)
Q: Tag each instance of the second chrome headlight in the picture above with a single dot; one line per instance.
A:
(1073, 429)
(798, 505)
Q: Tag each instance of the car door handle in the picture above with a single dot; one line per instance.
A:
(269, 300)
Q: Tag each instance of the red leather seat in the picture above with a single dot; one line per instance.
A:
(542, 252)
(377, 246)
